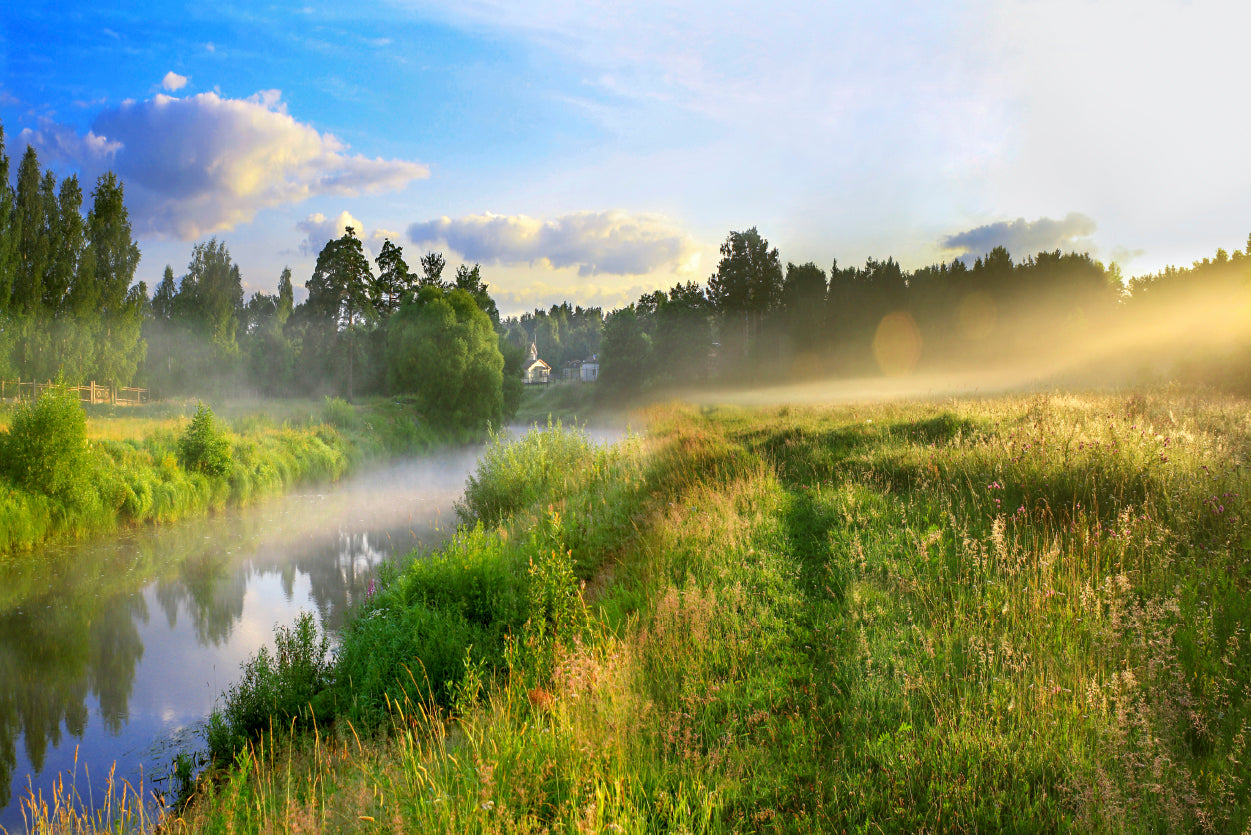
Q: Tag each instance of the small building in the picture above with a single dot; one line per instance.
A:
(589, 369)
(535, 371)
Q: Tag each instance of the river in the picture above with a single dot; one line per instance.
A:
(113, 652)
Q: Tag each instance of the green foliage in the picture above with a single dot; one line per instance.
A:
(46, 449)
(1019, 615)
(210, 299)
(277, 688)
(204, 447)
(556, 613)
(409, 642)
(512, 387)
(571, 403)
(138, 478)
(514, 474)
(338, 412)
(443, 349)
(627, 352)
(462, 612)
(394, 278)
(400, 654)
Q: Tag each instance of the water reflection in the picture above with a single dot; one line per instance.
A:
(111, 651)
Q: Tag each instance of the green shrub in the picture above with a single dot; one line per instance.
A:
(204, 447)
(338, 412)
(46, 450)
(411, 640)
(279, 687)
(512, 475)
(398, 654)
(455, 613)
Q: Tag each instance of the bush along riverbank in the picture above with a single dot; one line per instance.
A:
(64, 475)
(1022, 615)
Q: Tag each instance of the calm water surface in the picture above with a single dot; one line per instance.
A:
(114, 652)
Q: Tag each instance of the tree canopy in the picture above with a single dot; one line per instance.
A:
(442, 348)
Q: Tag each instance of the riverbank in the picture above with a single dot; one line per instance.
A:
(1023, 614)
(83, 473)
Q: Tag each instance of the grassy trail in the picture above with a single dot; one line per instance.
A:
(1013, 615)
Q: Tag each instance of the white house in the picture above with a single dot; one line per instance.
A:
(590, 369)
(535, 370)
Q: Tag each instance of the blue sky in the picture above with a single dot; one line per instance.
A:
(593, 151)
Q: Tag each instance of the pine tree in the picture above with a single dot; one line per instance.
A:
(32, 236)
(8, 231)
(69, 239)
(116, 254)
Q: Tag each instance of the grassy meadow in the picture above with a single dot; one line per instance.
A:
(1025, 614)
(70, 472)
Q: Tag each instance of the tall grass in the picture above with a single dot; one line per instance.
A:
(1023, 615)
(89, 473)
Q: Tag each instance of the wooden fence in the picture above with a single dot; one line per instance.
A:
(90, 393)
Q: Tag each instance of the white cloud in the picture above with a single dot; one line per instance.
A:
(62, 142)
(202, 164)
(851, 122)
(595, 243)
(173, 81)
(319, 230)
(833, 121)
(1023, 238)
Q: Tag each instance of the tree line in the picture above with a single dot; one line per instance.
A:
(69, 307)
(67, 304)
(757, 322)
(359, 331)
(562, 334)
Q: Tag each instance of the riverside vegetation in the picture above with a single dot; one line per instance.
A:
(67, 473)
(1025, 614)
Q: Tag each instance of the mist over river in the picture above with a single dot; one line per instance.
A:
(114, 651)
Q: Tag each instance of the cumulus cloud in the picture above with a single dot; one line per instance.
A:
(319, 230)
(609, 242)
(1023, 237)
(203, 164)
(173, 81)
(61, 142)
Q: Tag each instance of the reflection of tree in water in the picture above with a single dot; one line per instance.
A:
(69, 618)
(210, 592)
(52, 658)
(339, 574)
